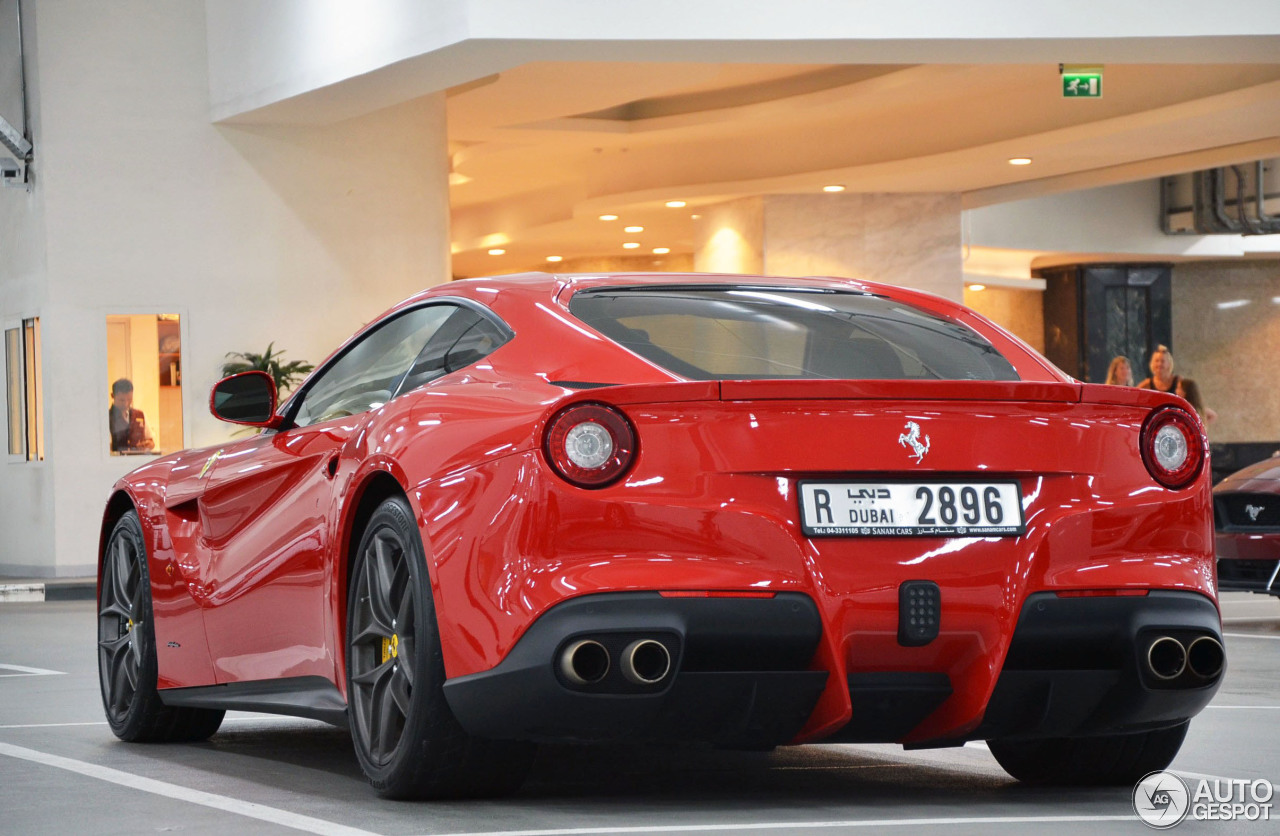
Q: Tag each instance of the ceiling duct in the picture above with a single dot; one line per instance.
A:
(1232, 200)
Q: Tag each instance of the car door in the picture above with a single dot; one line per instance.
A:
(269, 512)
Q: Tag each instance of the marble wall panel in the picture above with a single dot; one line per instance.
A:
(730, 237)
(1226, 335)
(670, 263)
(914, 240)
(1020, 312)
(911, 240)
(816, 235)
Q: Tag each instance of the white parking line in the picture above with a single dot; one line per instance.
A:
(797, 825)
(25, 671)
(21, 593)
(261, 812)
(1249, 636)
(268, 720)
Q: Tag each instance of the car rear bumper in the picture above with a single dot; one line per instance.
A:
(1078, 666)
(740, 674)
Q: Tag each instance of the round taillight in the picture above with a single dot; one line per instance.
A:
(1173, 447)
(591, 445)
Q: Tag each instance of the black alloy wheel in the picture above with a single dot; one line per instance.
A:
(119, 615)
(127, 666)
(406, 738)
(383, 640)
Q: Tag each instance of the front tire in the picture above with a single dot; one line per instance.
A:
(127, 666)
(1110, 760)
(406, 738)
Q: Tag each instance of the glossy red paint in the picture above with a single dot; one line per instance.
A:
(257, 531)
(711, 504)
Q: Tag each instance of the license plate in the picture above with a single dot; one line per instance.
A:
(911, 509)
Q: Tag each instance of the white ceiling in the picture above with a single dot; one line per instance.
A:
(541, 150)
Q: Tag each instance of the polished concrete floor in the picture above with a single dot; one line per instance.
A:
(62, 771)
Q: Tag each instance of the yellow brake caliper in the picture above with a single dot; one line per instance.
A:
(391, 648)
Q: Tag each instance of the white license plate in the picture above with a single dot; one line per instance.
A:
(911, 509)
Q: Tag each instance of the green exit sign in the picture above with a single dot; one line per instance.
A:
(1081, 82)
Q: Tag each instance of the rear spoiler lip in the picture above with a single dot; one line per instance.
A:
(897, 390)
(1101, 393)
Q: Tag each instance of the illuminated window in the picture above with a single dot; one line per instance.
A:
(23, 391)
(144, 384)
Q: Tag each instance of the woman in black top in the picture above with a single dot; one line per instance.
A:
(1164, 380)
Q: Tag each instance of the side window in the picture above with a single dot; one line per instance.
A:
(371, 371)
(144, 384)
(466, 338)
(24, 393)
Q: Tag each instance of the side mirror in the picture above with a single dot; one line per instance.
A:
(246, 398)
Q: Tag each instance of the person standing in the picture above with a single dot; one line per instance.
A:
(1120, 373)
(1164, 380)
(129, 433)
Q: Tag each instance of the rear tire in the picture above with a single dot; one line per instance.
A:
(406, 738)
(1111, 760)
(127, 666)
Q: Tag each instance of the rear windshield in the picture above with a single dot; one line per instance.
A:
(752, 333)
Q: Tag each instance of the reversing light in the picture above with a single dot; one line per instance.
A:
(1173, 447)
(590, 445)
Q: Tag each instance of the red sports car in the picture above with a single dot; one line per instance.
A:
(744, 511)
(1247, 516)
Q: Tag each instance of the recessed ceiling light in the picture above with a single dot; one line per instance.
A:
(676, 204)
(695, 217)
(1019, 161)
(833, 188)
(555, 258)
(977, 287)
(497, 251)
(630, 245)
(661, 250)
(608, 217)
(633, 229)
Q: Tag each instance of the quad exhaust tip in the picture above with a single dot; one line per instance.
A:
(1205, 657)
(1166, 658)
(646, 662)
(585, 662)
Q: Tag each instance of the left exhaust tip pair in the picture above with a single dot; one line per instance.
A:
(587, 662)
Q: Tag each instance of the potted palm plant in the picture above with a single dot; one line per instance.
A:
(270, 361)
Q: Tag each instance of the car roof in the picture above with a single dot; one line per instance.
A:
(562, 286)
